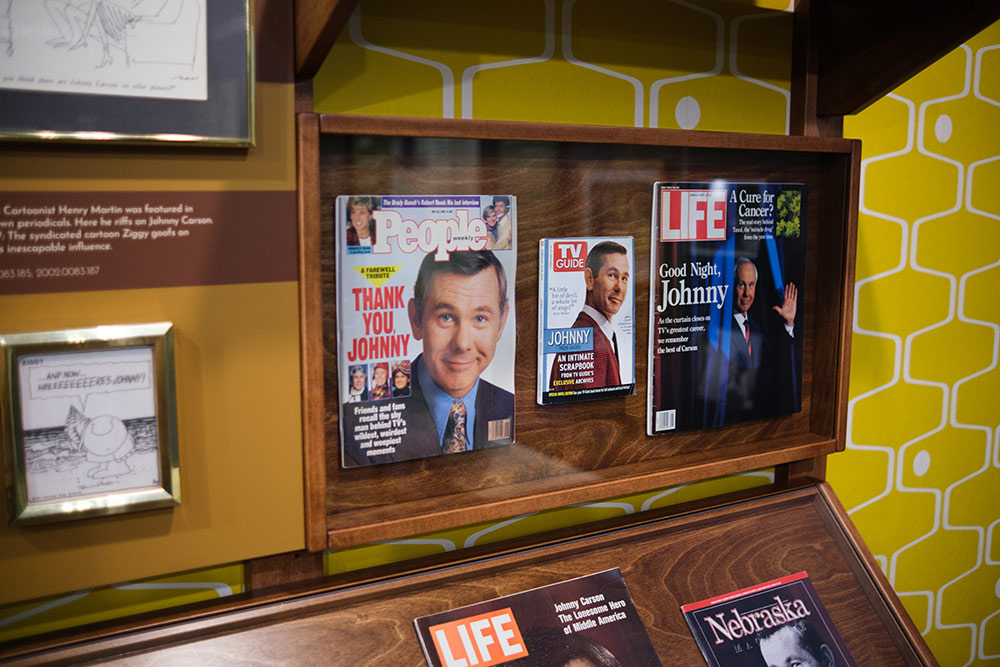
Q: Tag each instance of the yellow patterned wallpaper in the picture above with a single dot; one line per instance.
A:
(920, 475)
(666, 64)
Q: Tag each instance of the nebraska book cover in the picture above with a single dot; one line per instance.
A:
(726, 303)
(780, 622)
(586, 319)
(589, 620)
(425, 316)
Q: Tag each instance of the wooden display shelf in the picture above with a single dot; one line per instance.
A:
(665, 563)
(569, 181)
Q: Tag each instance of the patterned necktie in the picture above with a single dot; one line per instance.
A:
(746, 334)
(455, 438)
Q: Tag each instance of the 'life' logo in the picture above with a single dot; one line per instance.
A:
(487, 639)
(693, 215)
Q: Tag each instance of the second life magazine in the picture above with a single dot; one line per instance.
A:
(590, 620)
(425, 317)
(779, 622)
(586, 319)
(726, 307)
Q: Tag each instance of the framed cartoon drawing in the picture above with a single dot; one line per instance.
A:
(177, 71)
(89, 422)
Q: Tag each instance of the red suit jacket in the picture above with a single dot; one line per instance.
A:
(606, 371)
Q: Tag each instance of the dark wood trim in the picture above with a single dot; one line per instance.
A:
(866, 49)
(379, 523)
(591, 134)
(282, 571)
(317, 25)
(868, 567)
(852, 195)
(797, 473)
(311, 341)
(803, 82)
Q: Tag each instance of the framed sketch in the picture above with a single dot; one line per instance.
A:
(89, 420)
(178, 71)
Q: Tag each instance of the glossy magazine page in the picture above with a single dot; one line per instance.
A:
(425, 316)
(726, 303)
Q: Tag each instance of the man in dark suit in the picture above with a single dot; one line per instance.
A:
(606, 276)
(757, 355)
(458, 310)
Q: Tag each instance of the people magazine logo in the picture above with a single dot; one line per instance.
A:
(486, 639)
(569, 255)
(693, 215)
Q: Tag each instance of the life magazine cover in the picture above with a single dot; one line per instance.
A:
(425, 308)
(586, 319)
(726, 303)
(589, 620)
(779, 622)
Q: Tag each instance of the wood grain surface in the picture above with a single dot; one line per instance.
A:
(665, 564)
(575, 181)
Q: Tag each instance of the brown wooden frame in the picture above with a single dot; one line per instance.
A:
(666, 563)
(571, 453)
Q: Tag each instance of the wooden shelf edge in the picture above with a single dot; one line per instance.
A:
(317, 26)
(311, 344)
(876, 578)
(353, 528)
(867, 49)
(529, 131)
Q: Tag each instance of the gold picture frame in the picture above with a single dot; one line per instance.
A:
(89, 422)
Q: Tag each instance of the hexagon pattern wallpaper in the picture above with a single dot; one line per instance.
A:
(921, 473)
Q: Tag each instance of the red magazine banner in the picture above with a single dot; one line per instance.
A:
(777, 622)
(589, 620)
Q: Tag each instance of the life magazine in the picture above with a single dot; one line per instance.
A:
(726, 303)
(586, 319)
(425, 311)
(590, 620)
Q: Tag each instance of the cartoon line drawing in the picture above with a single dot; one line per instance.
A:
(106, 439)
(90, 423)
(145, 31)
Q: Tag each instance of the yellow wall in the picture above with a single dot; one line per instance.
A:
(237, 373)
(921, 474)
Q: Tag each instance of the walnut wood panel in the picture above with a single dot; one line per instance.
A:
(866, 49)
(573, 181)
(665, 564)
(317, 25)
(310, 306)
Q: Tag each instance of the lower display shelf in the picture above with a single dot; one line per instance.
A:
(665, 563)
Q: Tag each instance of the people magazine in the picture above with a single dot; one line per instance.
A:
(727, 294)
(586, 319)
(779, 622)
(426, 331)
(590, 620)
